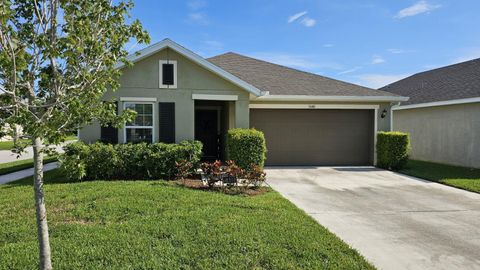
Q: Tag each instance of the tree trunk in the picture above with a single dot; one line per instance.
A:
(15, 135)
(42, 226)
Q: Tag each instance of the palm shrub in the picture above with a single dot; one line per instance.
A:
(392, 150)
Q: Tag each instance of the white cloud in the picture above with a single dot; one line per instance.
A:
(418, 8)
(377, 59)
(199, 17)
(197, 4)
(379, 80)
(349, 71)
(308, 22)
(328, 45)
(396, 51)
(296, 16)
(295, 61)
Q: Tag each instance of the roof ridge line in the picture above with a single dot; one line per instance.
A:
(298, 70)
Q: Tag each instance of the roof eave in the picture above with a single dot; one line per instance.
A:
(331, 98)
(438, 103)
(167, 43)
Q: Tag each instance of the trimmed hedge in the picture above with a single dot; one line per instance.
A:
(392, 150)
(127, 161)
(246, 147)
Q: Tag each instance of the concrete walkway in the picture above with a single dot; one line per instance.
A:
(8, 156)
(395, 221)
(7, 178)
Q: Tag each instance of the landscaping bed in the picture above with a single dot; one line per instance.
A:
(460, 177)
(162, 225)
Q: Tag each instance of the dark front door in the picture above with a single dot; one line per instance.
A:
(206, 131)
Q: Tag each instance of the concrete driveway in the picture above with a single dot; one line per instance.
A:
(395, 221)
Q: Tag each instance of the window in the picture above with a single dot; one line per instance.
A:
(168, 74)
(141, 128)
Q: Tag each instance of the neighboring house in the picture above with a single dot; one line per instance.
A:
(307, 119)
(443, 113)
(6, 129)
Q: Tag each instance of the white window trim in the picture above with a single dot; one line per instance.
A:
(153, 120)
(160, 74)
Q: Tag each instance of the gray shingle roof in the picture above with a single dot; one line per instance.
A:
(451, 82)
(280, 80)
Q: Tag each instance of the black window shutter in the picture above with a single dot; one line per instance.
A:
(167, 74)
(109, 134)
(166, 112)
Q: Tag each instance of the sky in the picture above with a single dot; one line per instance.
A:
(366, 42)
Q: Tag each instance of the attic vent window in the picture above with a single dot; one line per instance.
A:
(168, 74)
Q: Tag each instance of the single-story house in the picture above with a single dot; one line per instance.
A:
(307, 119)
(443, 113)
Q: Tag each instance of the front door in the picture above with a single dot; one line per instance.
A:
(207, 131)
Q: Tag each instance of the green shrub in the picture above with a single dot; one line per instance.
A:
(127, 161)
(392, 150)
(246, 147)
(72, 160)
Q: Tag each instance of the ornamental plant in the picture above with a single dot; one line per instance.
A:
(392, 150)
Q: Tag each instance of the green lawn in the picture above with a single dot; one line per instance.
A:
(160, 225)
(18, 165)
(460, 177)
(8, 145)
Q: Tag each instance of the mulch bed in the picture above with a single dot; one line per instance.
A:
(198, 184)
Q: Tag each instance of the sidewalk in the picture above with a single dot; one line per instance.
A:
(8, 156)
(7, 178)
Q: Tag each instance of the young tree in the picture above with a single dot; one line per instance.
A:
(57, 59)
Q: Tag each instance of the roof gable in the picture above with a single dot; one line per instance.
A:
(267, 81)
(167, 43)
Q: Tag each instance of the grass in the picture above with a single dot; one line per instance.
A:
(18, 165)
(455, 176)
(160, 225)
(8, 145)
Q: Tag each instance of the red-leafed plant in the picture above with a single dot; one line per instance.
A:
(184, 169)
(255, 176)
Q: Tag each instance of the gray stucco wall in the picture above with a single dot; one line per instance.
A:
(142, 80)
(444, 134)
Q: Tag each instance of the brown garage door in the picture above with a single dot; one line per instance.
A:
(317, 136)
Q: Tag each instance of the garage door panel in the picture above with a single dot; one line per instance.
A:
(316, 137)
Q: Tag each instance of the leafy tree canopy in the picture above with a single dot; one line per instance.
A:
(57, 59)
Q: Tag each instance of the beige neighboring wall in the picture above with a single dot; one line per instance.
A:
(447, 134)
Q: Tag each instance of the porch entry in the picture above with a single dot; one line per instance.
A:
(210, 128)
